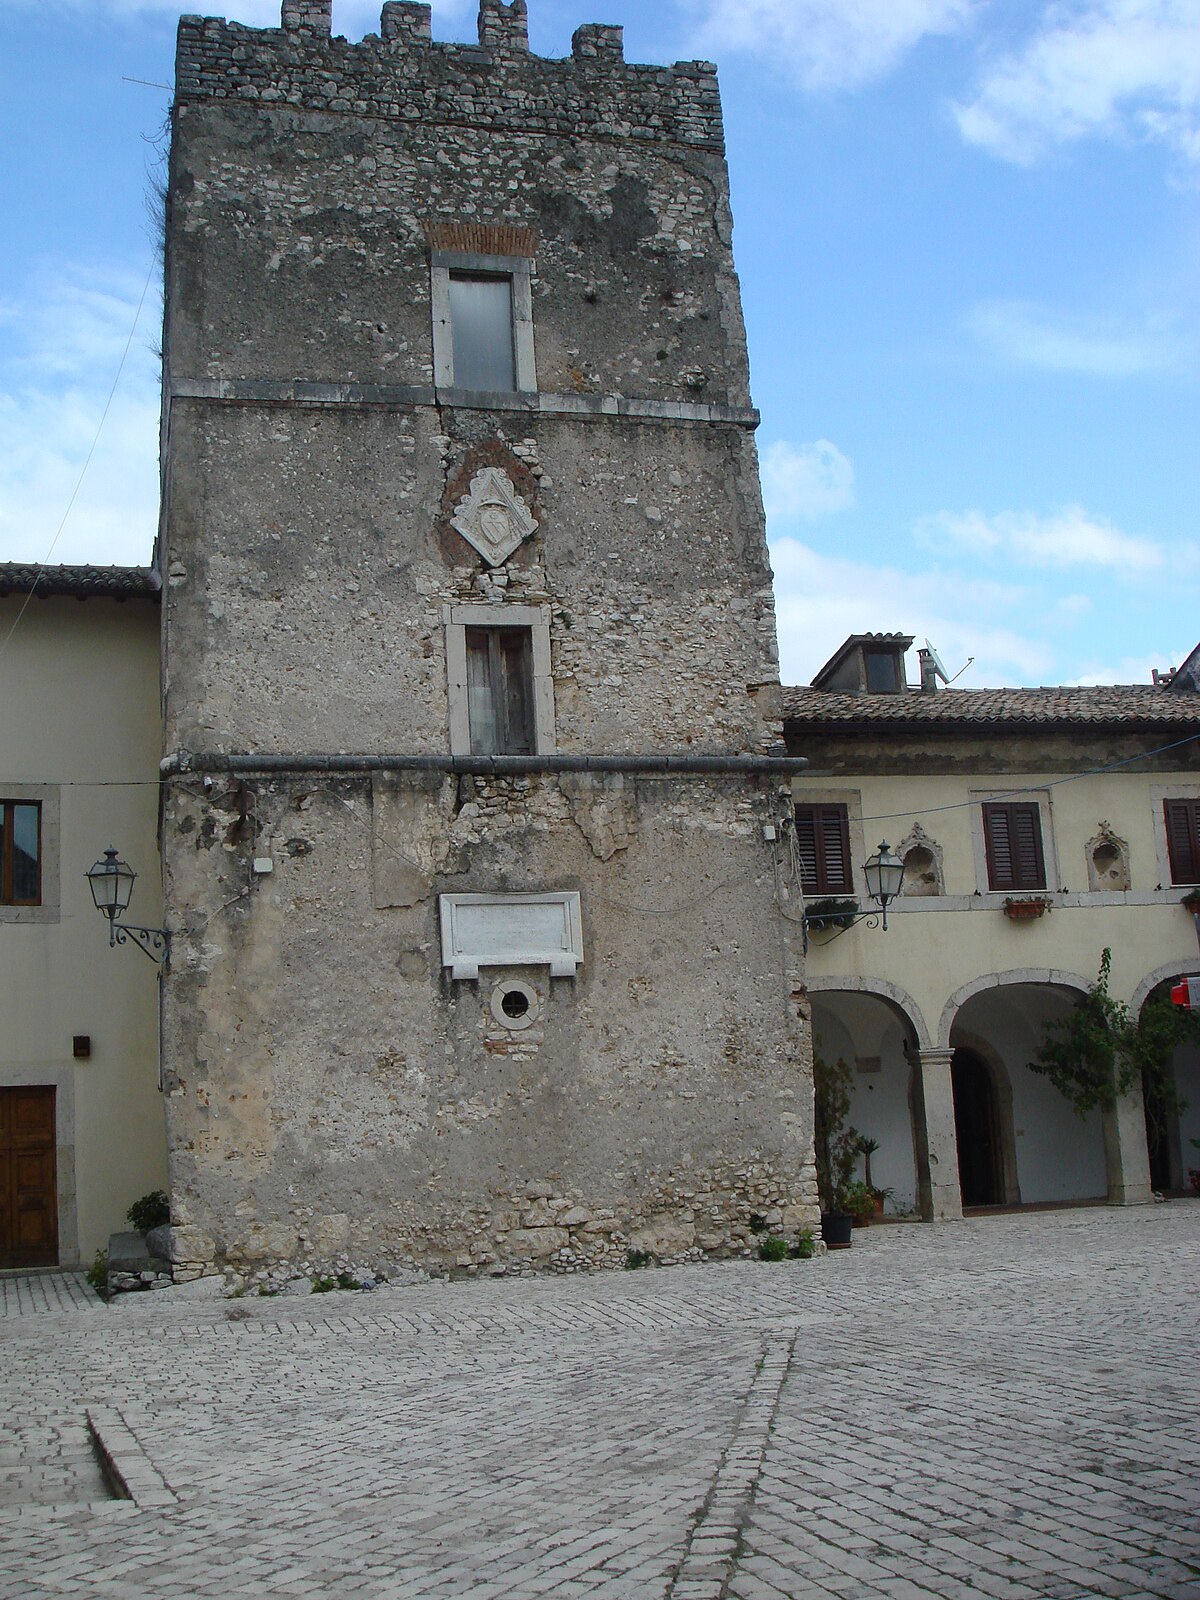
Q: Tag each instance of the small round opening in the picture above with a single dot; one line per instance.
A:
(514, 1005)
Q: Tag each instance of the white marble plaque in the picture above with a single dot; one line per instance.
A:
(511, 930)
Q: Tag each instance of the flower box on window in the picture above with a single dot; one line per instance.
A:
(1024, 908)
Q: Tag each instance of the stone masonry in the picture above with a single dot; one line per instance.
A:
(336, 1094)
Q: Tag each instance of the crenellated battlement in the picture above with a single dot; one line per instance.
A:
(403, 73)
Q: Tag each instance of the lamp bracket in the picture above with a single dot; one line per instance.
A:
(154, 942)
(820, 923)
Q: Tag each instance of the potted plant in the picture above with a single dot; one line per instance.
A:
(836, 1149)
(868, 1147)
(1025, 907)
(820, 915)
(859, 1200)
(1191, 902)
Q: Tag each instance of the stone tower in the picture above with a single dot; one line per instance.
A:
(483, 956)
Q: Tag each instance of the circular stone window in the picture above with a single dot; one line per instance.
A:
(514, 1005)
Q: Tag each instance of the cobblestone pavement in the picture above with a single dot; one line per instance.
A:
(24, 1293)
(1005, 1407)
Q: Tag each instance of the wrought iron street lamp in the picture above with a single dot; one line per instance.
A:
(884, 872)
(111, 882)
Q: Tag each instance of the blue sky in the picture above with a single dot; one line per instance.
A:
(969, 242)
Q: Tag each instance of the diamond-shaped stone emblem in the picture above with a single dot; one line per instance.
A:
(493, 517)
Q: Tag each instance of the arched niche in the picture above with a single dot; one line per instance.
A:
(922, 857)
(1107, 860)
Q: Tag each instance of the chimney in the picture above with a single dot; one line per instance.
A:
(929, 673)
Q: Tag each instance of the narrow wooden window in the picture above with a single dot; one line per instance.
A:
(20, 853)
(1013, 837)
(1182, 818)
(823, 846)
(500, 691)
(481, 327)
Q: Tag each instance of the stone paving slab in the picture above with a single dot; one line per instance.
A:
(1003, 1407)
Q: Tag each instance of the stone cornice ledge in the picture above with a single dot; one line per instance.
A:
(209, 761)
(303, 392)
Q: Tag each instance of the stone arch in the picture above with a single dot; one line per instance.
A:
(889, 992)
(1166, 1150)
(1184, 967)
(994, 980)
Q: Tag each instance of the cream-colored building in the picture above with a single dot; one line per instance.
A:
(1061, 796)
(81, 1116)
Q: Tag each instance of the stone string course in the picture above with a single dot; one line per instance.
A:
(405, 75)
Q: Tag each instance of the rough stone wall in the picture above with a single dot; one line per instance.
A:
(334, 1095)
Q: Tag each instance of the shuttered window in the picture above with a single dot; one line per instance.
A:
(1183, 839)
(823, 845)
(1013, 835)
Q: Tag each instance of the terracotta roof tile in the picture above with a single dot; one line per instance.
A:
(84, 583)
(1107, 705)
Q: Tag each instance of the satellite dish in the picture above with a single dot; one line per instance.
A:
(935, 662)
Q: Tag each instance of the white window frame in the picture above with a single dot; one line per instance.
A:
(1159, 794)
(519, 272)
(1041, 798)
(47, 796)
(852, 800)
(537, 619)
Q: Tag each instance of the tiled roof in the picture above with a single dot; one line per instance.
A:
(115, 583)
(1108, 705)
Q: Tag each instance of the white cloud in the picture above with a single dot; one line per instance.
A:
(1065, 538)
(1132, 669)
(1024, 334)
(825, 44)
(1072, 608)
(822, 599)
(1095, 68)
(71, 331)
(806, 481)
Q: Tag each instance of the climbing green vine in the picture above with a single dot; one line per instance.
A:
(1099, 1051)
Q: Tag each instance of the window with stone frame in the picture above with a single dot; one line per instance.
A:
(482, 322)
(499, 682)
(1012, 833)
(20, 853)
(1182, 818)
(823, 849)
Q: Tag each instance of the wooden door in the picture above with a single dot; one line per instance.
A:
(28, 1179)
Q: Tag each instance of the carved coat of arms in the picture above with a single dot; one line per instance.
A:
(493, 517)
